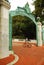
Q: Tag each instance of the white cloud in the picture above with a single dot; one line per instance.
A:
(21, 3)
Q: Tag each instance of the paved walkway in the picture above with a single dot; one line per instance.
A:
(10, 60)
(29, 56)
(7, 60)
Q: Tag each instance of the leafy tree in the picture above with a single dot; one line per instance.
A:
(23, 27)
(39, 6)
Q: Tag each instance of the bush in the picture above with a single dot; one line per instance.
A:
(19, 37)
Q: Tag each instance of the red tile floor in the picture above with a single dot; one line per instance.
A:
(29, 56)
(7, 60)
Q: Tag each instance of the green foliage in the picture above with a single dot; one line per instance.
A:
(39, 5)
(23, 27)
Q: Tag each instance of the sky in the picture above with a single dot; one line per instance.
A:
(21, 3)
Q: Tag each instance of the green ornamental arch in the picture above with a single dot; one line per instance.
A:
(25, 11)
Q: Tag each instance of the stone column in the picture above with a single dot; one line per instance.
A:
(43, 33)
(4, 28)
(39, 34)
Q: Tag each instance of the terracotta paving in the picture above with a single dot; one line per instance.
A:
(7, 60)
(29, 56)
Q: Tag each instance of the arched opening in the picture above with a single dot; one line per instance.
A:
(23, 27)
(27, 25)
(30, 19)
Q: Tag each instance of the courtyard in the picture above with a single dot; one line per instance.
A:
(27, 56)
(28, 28)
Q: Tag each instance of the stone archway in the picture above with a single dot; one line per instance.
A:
(6, 25)
(25, 11)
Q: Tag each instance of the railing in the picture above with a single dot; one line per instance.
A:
(23, 40)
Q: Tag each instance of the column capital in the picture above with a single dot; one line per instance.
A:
(5, 3)
(39, 23)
